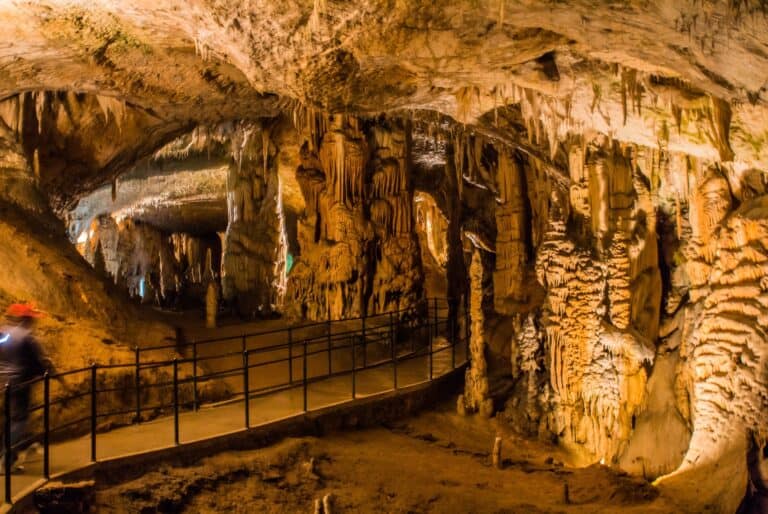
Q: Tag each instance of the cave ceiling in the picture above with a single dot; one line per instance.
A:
(651, 73)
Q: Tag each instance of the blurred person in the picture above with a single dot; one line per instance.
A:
(22, 359)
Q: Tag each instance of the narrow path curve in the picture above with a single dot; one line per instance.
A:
(415, 363)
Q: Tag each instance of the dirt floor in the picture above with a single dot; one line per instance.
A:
(434, 462)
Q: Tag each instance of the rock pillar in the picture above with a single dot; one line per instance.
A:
(476, 393)
(253, 261)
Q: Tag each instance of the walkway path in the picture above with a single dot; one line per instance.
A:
(413, 367)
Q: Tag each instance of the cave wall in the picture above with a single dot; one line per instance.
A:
(40, 265)
(637, 343)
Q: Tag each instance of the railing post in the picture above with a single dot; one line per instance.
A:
(304, 375)
(242, 345)
(94, 368)
(290, 356)
(330, 342)
(138, 385)
(466, 326)
(452, 328)
(354, 368)
(431, 359)
(415, 330)
(365, 346)
(46, 425)
(396, 332)
(246, 389)
(194, 375)
(176, 401)
(394, 358)
(426, 323)
(7, 450)
(391, 329)
(437, 323)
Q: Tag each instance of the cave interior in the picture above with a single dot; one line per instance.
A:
(586, 179)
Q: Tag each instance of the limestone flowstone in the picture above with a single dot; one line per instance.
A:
(359, 249)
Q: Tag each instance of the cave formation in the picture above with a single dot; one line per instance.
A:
(588, 178)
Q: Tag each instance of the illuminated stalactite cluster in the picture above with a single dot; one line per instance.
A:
(151, 264)
(397, 271)
(254, 256)
(328, 278)
(359, 250)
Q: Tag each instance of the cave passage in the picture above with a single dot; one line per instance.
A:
(544, 224)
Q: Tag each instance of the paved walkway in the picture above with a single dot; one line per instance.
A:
(413, 367)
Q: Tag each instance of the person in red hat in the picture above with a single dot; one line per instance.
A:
(21, 359)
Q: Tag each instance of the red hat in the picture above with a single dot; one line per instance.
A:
(23, 310)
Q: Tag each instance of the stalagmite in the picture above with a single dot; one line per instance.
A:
(497, 463)
(476, 392)
(211, 304)
(327, 503)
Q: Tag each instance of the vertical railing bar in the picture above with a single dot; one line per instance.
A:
(365, 346)
(195, 403)
(304, 374)
(354, 369)
(466, 327)
(437, 328)
(138, 385)
(394, 351)
(176, 401)
(94, 368)
(330, 352)
(453, 339)
(431, 359)
(246, 389)
(46, 425)
(7, 450)
(290, 356)
(330, 341)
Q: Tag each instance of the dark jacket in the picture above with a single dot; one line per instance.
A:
(21, 356)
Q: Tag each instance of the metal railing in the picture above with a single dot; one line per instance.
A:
(355, 346)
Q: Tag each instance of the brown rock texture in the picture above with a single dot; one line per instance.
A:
(254, 261)
(588, 177)
(359, 248)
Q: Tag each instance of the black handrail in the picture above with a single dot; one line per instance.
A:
(425, 317)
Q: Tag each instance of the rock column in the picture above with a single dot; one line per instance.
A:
(253, 262)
